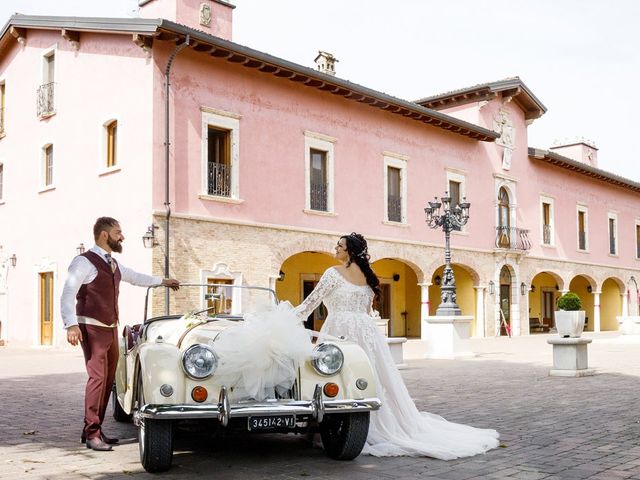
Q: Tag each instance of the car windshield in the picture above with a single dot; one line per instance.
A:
(213, 300)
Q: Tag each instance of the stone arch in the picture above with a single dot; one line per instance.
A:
(461, 259)
(299, 273)
(283, 249)
(560, 281)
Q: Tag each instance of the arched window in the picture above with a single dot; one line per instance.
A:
(504, 216)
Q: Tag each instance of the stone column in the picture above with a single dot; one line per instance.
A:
(596, 311)
(480, 328)
(424, 308)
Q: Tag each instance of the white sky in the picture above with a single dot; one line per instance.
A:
(581, 58)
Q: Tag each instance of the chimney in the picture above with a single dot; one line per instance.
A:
(326, 63)
(210, 16)
(578, 149)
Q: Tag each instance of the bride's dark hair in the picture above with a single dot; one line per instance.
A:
(359, 254)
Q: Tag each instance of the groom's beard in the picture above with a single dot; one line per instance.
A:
(116, 246)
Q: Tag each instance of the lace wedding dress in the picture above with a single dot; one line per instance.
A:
(398, 428)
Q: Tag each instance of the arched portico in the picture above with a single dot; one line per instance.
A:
(611, 300)
(544, 291)
(299, 274)
(400, 300)
(585, 287)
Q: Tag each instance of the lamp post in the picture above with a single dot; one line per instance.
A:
(448, 219)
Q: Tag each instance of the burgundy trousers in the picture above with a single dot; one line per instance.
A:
(100, 348)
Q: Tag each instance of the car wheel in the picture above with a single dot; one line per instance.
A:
(118, 413)
(344, 435)
(155, 438)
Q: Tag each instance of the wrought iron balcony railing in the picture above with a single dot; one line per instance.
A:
(45, 99)
(582, 240)
(512, 238)
(318, 197)
(546, 234)
(612, 245)
(394, 208)
(219, 179)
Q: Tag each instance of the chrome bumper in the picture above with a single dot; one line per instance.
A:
(223, 411)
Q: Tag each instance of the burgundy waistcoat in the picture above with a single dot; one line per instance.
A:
(99, 299)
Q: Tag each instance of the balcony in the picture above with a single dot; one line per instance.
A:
(546, 234)
(219, 179)
(582, 240)
(46, 106)
(318, 196)
(512, 238)
(394, 208)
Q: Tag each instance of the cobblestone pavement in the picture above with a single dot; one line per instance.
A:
(551, 427)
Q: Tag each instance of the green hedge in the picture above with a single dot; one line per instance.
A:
(570, 302)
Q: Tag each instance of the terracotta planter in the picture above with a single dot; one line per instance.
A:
(570, 324)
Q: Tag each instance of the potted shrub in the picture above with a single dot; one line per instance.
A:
(569, 316)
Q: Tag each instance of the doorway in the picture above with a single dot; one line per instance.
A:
(505, 301)
(46, 308)
(548, 308)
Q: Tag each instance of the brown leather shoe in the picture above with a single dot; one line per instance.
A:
(98, 445)
(109, 440)
(105, 439)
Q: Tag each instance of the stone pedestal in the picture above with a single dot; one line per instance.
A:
(570, 357)
(396, 346)
(448, 336)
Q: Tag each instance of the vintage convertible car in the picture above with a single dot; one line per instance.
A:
(166, 380)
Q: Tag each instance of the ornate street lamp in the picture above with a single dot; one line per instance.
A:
(448, 219)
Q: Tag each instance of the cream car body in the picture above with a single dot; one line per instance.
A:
(153, 388)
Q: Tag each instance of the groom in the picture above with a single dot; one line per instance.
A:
(94, 282)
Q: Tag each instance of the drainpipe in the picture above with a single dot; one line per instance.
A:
(167, 204)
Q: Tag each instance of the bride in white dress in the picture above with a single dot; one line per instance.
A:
(398, 428)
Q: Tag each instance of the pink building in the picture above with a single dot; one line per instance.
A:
(269, 162)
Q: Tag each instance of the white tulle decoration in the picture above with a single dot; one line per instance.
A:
(262, 353)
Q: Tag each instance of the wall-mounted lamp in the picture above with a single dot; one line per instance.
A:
(523, 288)
(437, 280)
(80, 249)
(589, 289)
(492, 287)
(149, 238)
(533, 288)
(13, 260)
(281, 276)
(557, 287)
(396, 277)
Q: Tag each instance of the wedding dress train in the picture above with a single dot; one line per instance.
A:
(398, 428)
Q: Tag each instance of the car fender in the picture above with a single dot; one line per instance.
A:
(356, 365)
(159, 364)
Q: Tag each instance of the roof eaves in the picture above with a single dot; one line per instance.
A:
(125, 25)
(582, 168)
(486, 134)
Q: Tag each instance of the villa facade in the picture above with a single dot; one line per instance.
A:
(270, 162)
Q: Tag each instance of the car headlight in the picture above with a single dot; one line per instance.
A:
(199, 361)
(327, 359)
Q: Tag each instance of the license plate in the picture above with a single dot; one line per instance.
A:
(270, 423)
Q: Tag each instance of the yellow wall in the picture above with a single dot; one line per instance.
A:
(465, 293)
(294, 267)
(405, 296)
(610, 305)
(579, 286)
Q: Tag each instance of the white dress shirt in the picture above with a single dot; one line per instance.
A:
(82, 271)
